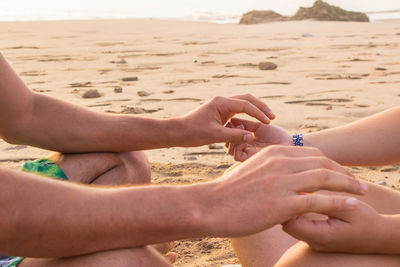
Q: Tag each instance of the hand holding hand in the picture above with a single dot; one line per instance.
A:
(264, 135)
(362, 230)
(205, 125)
(270, 188)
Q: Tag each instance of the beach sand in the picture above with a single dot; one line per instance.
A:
(328, 74)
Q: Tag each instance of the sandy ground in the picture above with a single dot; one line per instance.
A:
(329, 74)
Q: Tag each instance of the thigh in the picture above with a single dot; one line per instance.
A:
(301, 255)
(136, 257)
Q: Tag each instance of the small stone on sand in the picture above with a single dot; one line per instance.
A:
(382, 69)
(214, 146)
(168, 91)
(130, 79)
(267, 65)
(144, 93)
(91, 94)
(117, 89)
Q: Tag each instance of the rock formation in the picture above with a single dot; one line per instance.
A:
(324, 11)
(319, 11)
(255, 17)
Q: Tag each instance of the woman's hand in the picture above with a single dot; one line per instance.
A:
(264, 135)
(362, 230)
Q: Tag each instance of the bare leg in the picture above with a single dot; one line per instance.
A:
(301, 255)
(146, 256)
(109, 169)
(266, 248)
(105, 168)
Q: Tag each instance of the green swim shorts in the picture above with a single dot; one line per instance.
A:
(41, 167)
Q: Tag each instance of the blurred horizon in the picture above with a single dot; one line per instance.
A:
(221, 11)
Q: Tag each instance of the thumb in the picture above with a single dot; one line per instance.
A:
(235, 135)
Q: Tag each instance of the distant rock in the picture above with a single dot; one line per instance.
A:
(319, 11)
(267, 65)
(324, 11)
(257, 16)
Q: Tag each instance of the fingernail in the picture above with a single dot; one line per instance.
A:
(351, 201)
(247, 137)
(364, 187)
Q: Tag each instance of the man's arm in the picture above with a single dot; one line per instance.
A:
(35, 119)
(69, 219)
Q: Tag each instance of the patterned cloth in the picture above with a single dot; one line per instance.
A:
(42, 167)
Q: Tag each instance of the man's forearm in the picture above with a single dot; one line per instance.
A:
(372, 141)
(57, 125)
(67, 219)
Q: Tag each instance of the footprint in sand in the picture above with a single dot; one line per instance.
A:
(320, 102)
(339, 76)
(179, 83)
(263, 83)
(22, 47)
(33, 73)
(105, 44)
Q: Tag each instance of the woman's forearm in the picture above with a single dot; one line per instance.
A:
(374, 140)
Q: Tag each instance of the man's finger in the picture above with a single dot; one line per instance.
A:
(300, 162)
(235, 136)
(251, 126)
(258, 103)
(323, 204)
(232, 105)
(324, 179)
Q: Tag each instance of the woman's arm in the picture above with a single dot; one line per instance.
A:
(374, 140)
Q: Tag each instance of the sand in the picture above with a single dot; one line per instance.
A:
(328, 74)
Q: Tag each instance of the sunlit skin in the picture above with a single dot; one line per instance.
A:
(372, 228)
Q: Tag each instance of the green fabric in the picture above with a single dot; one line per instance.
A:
(44, 167)
(14, 261)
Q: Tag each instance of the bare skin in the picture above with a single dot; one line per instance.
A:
(91, 219)
(371, 141)
(108, 169)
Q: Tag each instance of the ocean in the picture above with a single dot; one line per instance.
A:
(218, 11)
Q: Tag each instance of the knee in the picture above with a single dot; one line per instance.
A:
(299, 255)
(137, 167)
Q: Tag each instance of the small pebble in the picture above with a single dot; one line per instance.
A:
(117, 89)
(267, 65)
(214, 146)
(143, 93)
(383, 183)
(190, 158)
(130, 79)
(91, 94)
(168, 91)
(382, 69)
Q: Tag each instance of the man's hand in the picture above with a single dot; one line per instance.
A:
(272, 187)
(205, 125)
(362, 230)
(264, 136)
